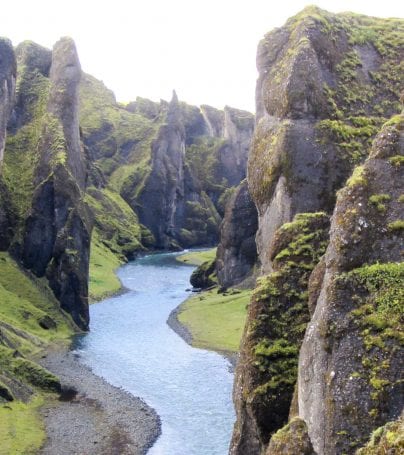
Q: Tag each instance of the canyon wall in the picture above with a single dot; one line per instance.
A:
(327, 84)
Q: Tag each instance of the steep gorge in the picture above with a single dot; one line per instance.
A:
(323, 193)
(81, 172)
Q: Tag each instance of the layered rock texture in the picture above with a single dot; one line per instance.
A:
(321, 357)
(326, 85)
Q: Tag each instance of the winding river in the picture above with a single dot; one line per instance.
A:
(131, 346)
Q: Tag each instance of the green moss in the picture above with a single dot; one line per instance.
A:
(379, 304)
(358, 177)
(353, 136)
(22, 431)
(385, 440)
(396, 226)
(203, 159)
(25, 301)
(291, 439)
(21, 155)
(397, 160)
(384, 283)
(378, 200)
(216, 321)
(280, 308)
(117, 224)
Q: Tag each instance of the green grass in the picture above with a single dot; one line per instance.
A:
(24, 304)
(216, 321)
(103, 263)
(197, 257)
(27, 306)
(21, 429)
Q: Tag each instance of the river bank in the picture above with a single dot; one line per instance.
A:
(96, 419)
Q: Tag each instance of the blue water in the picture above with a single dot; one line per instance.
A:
(131, 346)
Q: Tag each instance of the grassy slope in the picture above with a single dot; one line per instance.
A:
(21, 430)
(197, 257)
(103, 263)
(216, 321)
(24, 303)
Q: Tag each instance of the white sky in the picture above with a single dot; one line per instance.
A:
(204, 49)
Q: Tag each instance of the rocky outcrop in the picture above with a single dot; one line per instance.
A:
(8, 73)
(237, 252)
(204, 276)
(320, 103)
(191, 167)
(292, 439)
(266, 372)
(173, 163)
(56, 239)
(343, 397)
(162, 199)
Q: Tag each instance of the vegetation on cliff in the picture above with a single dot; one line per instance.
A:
(327, 84)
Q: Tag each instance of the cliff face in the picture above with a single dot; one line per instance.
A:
(172, 163)
(161, 201)
(8, 72)
(45, 174)
(181, 198)
(266, 373)
(327, 84)
(320, 99)
(237, 252)
(344, 397)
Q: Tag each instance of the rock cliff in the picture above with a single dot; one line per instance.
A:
(8, 73)
(237, 252)
(45, 174)
(320, 103)
(172, 163)
(344, 397)
(181, 200)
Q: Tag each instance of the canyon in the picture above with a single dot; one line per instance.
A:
(304, 200)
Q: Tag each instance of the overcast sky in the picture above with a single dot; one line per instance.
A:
(204, 49)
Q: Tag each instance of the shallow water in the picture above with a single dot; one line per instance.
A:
(131, 346)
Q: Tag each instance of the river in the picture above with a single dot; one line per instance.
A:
(131, 346)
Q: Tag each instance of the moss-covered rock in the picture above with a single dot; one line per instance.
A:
(310, 135)
(266, 374)
(344, 397)
(35, 375)
(291, 440)
(388, 439)
(204, 276)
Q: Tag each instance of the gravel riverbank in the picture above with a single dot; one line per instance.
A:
(100, 419)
